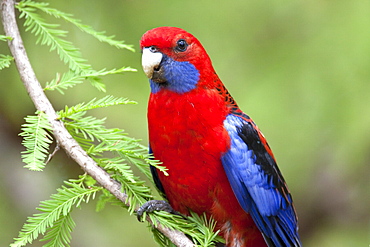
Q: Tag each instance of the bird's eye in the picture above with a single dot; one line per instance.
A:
(181, 45)
(153, 49)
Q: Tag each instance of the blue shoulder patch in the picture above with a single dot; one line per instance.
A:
(181, 77)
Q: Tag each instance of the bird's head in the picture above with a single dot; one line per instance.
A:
(174, 60)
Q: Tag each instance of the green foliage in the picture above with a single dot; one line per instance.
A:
(48, 34)
(205, 230)
(198, 227)
(5, 60)
(36, 139)
(101, 143)
(85, 28)
(5, 38)
(93, 104)
(60, 233)
(70, 78)
(55, 217)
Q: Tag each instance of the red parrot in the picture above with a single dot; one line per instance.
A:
(218, 161)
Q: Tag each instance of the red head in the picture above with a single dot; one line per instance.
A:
(173, 56)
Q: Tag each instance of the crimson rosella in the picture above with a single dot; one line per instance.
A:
(218, 161)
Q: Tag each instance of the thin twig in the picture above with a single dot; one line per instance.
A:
(62, 136)
(56, 149)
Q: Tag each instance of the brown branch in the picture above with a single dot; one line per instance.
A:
(61, 135)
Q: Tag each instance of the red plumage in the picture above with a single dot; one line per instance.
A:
(190, 143)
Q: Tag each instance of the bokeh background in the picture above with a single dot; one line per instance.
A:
(300, 69)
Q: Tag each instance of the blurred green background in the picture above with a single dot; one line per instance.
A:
(300, 69)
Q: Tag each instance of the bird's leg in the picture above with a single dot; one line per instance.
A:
(155, 205)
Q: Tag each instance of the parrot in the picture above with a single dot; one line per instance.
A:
(219, 162)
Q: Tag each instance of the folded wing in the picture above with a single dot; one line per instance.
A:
(258, 184)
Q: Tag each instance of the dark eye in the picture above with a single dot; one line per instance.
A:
(181, 45)
(153, 49)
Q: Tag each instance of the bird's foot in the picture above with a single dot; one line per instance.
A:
(155, 205)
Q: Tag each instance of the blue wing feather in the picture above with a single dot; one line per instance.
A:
(258, 184)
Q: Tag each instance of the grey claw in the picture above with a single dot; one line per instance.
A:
(155, 205)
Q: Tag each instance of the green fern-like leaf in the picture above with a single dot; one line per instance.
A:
(60, 234)
(170, 221)
(161, 239)
(128, 149)
(90, 127)
(52, 213)
(36, 139)
(5, 61)
(101, 36)
(71, 79)
(104, 198)
(48, 34)
(120, 165)
(135, 189)
(5, 38)
(205, 234)
(67, 80)
(199, 228)
(138, 193)
(109, 100)
(99, 141)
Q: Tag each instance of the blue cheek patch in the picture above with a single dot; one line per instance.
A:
(181, 77)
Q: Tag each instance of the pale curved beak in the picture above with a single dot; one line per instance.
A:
(150, 61)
